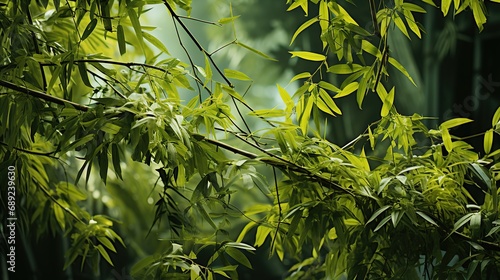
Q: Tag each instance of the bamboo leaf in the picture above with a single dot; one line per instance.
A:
(350, 88)
(308, 55)
(155, 42)
(302, 75)
(255, 51)
(455, 122)
(303, 27)
(326, 103)
(88, 30)
(104, 254)
(234, 74)
(345, 68)
(401, 69)
(136, 25)
(388, 101)
(377, 213)
(488, 141)
(120, 36)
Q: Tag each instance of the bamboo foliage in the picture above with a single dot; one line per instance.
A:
(396, 202)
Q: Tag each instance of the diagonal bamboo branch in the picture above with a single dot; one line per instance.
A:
(43, 95)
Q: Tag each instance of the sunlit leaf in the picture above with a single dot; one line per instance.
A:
(308, 55)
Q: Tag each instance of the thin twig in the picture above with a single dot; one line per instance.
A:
(195, 41)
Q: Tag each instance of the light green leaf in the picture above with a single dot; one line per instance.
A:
(302, 75)
(345, 68)
(455, 122)
(388, 101)
(303, 27)
(255, 51)
(400, 67)
(426, 217)
(414, 8)
(350, 88)
(329, 86)
(308, 55)
(445, 135)
(378, 212)
(400, 25)
(104, 254)
(488, 141)
(228, 19)
(326, 104)
(371, 49)
(445, 6)
(155, 42)
(305, 116)
(136, 25)
(234, 74)
(496, 116)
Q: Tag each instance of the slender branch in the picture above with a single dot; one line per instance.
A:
(195, 41)
(43, 95)
(49, 154)
(374, 17)
(277, 161)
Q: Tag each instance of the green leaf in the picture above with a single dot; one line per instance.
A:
(303, 27)
(350, 88)
(115, 156)
(88, 30)
(445, 135)
(388, 101)
(488, 141)
(285, 97)
(111, 128)
(234, 74)
(496, 116)
(305, 115)
(104, 254)
(382, 223)
(136, 25)
(106, 242)
(82, 68)
(326, 104)
(377, 213)
(455, 122)
(445, 6)
(411, 23)
(261, 235)
(155, 42)
(302, 75)
(371, 49)
(401, 69)
(308, 55)
(478, 9)
(238, 256)
(228, 19)
(59, 214)
(120, 36)
(329, 86)
(400, 25)
(414, 8)
(345, 68)
(426, 217)
(255, 51)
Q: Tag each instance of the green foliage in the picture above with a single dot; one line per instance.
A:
(399, 201)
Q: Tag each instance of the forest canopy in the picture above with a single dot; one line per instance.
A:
(126, 152)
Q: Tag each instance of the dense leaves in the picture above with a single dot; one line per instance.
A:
(399, 201)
